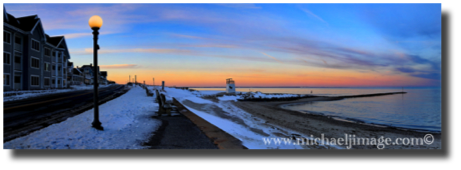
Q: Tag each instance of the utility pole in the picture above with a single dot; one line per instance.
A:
(135, 80)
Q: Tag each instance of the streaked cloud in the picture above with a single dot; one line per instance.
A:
(76, 35)
(271, 57)
(313, 15)
(118, 66)
(134, 50)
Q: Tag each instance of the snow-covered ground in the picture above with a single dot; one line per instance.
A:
(19, 95)
(238, 123)
(126, 120)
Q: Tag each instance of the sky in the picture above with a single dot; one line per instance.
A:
(264, 45)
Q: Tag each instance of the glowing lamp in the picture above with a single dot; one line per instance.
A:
(95, 22)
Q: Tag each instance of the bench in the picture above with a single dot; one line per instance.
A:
(164, 107)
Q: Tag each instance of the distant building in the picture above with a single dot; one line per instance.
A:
(32, 60)
(76, 78)
(103, 79)
(230, 85)
(88, 75)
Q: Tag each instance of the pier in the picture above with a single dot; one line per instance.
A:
(312, 96)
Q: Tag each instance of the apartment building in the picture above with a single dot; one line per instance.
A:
(32, 60)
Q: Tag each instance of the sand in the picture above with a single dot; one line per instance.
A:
(316, 125)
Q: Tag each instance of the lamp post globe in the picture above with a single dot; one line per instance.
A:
(95, 23)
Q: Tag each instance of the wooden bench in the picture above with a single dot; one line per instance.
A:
(164, 107)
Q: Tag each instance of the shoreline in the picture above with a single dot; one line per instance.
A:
(316, 125)
(352, 120)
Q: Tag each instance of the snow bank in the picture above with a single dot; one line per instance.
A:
(251, 132)
(181, 95)
(267, 96)
(126, 120)
(229, 98)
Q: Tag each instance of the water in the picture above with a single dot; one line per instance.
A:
(419, 109)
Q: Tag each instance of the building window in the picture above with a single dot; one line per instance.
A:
(59, 81)
(17, 59)
(17, 40)
(59, 68)
(64, 82)
(54, 67)
(47, 52)
(17, 79)
(47, 66)
(6, 79)
(54, 53)
(35, 63)
(35, 45)
(6, 58)
(6, 37)
(47, 81)
(34, 80)
(53, 81)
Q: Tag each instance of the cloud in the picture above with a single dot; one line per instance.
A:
(313, 15)
(272, 57)
(118, 66)
(134, 50)
(241, 6)
(76, 35)
(405, 69)
(210, 46)
(186, 36)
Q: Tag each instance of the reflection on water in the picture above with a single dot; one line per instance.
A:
(419, 109)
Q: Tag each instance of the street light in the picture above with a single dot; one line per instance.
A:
(95, 23)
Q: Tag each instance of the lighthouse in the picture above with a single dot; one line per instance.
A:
(230, 85)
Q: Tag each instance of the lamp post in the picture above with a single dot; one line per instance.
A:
(95, 23)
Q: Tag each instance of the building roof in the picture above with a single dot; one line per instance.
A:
(76, 71)
(54, 40)
(11, 20)
(27, 23)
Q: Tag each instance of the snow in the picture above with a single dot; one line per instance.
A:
(180, 95)
(238, 123)
(126, 120)
(229, 98)
(19, 95)
(263, 95)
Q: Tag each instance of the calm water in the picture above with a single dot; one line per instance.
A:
(419, 109)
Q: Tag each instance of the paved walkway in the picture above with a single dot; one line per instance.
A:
(178, 132)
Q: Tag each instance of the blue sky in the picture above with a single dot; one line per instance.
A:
(256, 44)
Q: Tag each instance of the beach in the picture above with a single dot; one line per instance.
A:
(316, 125)
(262, 124)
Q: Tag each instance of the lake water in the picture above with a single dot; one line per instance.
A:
(419, 109)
